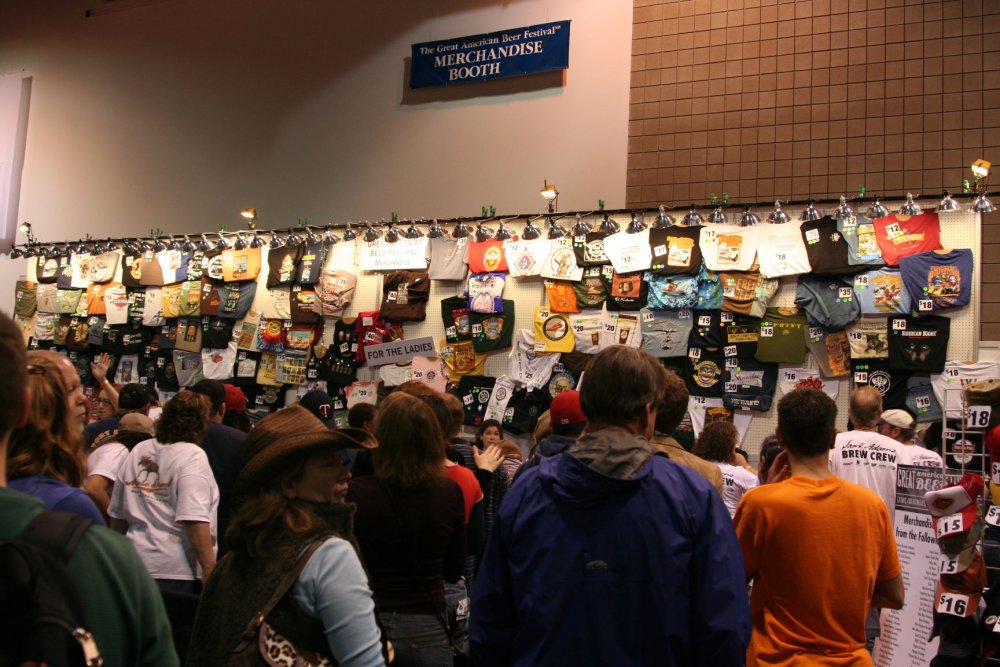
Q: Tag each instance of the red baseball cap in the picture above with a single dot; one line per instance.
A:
(236, 400)
(565, 408)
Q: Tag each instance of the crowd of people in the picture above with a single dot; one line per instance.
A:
(399, 539)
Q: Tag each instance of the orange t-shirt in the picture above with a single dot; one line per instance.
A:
(815, 549)
(466, 480)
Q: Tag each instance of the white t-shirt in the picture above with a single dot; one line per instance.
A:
(915, 455)
(869, 459)
(526, 257)
(782, 251)
(587, 330)
(158, 487)
(152, 308)
(629, 252)
(116, 304)
(107, 460)
(561, 262)
(790, 379)
(955, 376)
(736, 481)
(528, 367)
(728, 247)
(499, 398)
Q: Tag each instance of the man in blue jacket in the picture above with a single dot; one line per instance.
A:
(610, 553)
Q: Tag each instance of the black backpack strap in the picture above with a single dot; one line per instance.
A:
(59, 533)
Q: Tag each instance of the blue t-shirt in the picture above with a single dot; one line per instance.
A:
(709, 290)
(58, 496)
(881, 292)
(862, 247)
(938, 280)
(671, 292)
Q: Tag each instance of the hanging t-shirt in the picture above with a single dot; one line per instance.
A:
(216, 332)
(45, 298)
(782, 336)
(170, 266)
(68, 301)
(475, 392)
(238, 265)
(750, 385)
(620, 329)
(170, 299)
(881, 292)
(587, 328)
(404, 296)
(740, 335)
(589, 249)
(44, 326)
(869, 338)
(491, 331)
(60, 329)
(828, 301)
(791, 379)
(235, 299)
(920, 399)
(503, 389)
(561, 296)
(95, 298)
(948, 384)
(455, 315)
(703, 373)
(528, 365)
(487, 256)
(80, 265)
(461, 358)
(903, 235)
(189, 334)
(449, 258)
(782, 252)
(152, 307)
(703, 410)
(303, 305)
(486, 292)
(310, 264)
(826, 247)
(918, 343)
(149, 269)
(590, 290)
(276, 304)
(187, 365)
(552, 331)
(831, 350)
(707, 329)
(281, 263)
(862, 246)
(876, 373)
(728, 247)
(524, 408)
(116, 303)
(675, 250)
(103, 267)
(432, 371)
(190, 300)
(671, 292)
(525, 257)
(334, 292)
(561, 263)
(664, 334)
(211, 299)
(936, 280)
(747, 293)
(217, 363)
(629, 252)
(47, 268)
(626, 291)
(709, 290)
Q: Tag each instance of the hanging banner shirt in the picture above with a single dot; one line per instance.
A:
(791, 379)
(380, 255)
(449, 258)
(862, 246)
(529, 50)
(524, 257)
(903, 235)
(948, 384)
(881, 292)
(782, 252)
(936, 280)
(703, 410)
(629, 252)
(561, 264)
(675, 249)
(728, 247)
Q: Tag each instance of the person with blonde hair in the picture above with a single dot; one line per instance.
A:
(411, 527)
(165, 498)
(45, 457)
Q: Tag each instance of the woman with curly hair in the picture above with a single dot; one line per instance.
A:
(290, 507)
(717, 443)
(45, 457)
(166, 500)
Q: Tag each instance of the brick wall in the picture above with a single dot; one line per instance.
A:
(769, 99)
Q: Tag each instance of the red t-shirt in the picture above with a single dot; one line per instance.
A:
(466, 480)
(904, 235)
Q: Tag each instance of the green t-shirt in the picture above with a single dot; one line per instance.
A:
(782, 336)
(122, 603)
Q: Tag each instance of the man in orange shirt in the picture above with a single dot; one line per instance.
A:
(820, 550)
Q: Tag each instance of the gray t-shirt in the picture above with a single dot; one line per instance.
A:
(449, 258)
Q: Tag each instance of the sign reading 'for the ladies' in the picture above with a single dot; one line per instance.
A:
(537, 48)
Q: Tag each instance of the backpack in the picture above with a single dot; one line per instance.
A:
(42, 619)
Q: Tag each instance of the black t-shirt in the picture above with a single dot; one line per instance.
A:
(826, 247)
(675, 250)
(455, 315)
(589, 249)
(706, 329)
(524, 408)
(310, 264)
(227, 453)
(475, 392)
(303, 304)
(48, 268)
(703, 372)
(918, 343)
(876, 373)
(245, 370)
(626, 291)
(166, 375)
(750, 385)
(216, 332)
(282, 265)
(131, 270)
(740, 335)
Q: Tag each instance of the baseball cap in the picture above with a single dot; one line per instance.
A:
(320, 404)
(236, 400)
(951, 498)
(133, 396)
(898, 418)
(565, 408)
(136, 422)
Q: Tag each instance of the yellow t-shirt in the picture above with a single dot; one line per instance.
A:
(552, 331)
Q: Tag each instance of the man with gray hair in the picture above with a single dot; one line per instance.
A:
(611, 553)
(901, 427)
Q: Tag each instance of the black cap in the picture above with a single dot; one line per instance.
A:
(320, 404)
(133, 396)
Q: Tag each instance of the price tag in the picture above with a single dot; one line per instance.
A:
(766, 332)
(893, 230)
(694, 352)
(418, 375)
(707, 235)
(861, 377)
(860, 282)
(704, 320)
(730, 387)
(951, 372)
(539, 347)
(948, 525)
(948, 565)
(468, 399)
(685, 314)
(923, 401)
(451, 331)
(856, 336)
(816, 332)
(953, 604)
(993, 515)
(791, 376)
(660, 250)
(608, 272)
(647, 316)
(345, 348)
(812, 236)
(699, 400)
(978, 416)
(367, 321)
(478, 328)
(846, 293)
(731, 363)
(898, 324)
(729, 292)
(995, 473)
(543, 313)
(925, 305)
(730, 350)
(781, 257)
(580, 239)
(725, 317)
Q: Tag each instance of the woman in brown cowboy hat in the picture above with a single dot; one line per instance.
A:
(290, 512)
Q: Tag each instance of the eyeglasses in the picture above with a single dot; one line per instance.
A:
(36, 370)
(101, 401)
